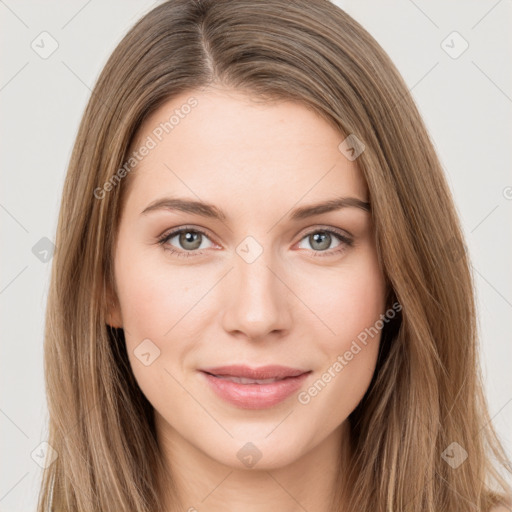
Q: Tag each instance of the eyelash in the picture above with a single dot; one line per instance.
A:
(345, 242)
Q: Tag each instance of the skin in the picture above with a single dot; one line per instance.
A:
(255, 161)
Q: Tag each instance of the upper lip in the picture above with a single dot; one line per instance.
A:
(262, 372)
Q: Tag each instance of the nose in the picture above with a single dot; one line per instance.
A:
(259, 302)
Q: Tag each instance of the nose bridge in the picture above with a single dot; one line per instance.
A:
(258, 299)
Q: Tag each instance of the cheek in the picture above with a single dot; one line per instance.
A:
(352, 309)
(153, 297)
(153, 300)
(349, 301)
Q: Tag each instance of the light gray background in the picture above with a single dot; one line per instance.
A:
(466, 103)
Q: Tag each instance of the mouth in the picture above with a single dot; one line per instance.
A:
(254, 388)
(244, 380)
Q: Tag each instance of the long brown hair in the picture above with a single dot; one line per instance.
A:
(427, 391)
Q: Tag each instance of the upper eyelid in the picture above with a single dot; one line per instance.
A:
(307, 231)
(330, 229)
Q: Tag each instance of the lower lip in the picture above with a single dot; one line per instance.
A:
(255, 396)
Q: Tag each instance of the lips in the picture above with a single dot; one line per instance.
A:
(243, 380)
(275, 372)
(254, 388)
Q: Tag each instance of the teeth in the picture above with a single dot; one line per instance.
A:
(243, 380)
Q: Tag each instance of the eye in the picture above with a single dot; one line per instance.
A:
(320, 241)
(188, 240)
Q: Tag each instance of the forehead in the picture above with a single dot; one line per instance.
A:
(222, 142)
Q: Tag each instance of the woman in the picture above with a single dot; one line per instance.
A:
(260, 298)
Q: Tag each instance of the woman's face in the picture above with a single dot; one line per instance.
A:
(256, 278)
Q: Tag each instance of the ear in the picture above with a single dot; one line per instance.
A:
(114, 317)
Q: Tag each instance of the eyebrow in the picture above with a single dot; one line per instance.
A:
(209, 210)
